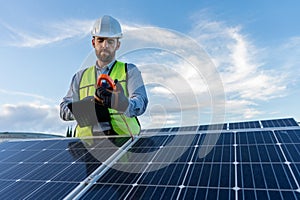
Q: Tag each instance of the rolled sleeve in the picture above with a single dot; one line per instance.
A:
(138, 99)
(72, 95)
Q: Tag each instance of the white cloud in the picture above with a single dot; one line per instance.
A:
(243, 71)
(160, 91)
(287, 55)
(23, 95)
(237, 108)
(32, 117)
(174, 66)
(48, 33)
(246, 76)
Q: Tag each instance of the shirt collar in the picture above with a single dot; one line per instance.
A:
(108, 67)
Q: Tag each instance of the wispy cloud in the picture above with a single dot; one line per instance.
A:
(247, 76)
(287, 55)
(180, 77)
(24, 94)
(47, 33)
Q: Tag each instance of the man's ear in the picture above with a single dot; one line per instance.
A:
(93, 42)
(118, 44)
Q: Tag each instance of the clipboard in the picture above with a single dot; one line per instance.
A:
(89, 112)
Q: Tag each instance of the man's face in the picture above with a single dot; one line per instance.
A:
(105, 48)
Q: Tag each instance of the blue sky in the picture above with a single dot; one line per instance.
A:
(251, 52)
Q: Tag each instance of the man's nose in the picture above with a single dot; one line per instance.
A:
(104, 44)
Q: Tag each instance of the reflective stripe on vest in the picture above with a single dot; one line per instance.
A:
(120, 123)
(87, 83)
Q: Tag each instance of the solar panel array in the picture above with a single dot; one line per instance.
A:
(240, 160)
(48, 169)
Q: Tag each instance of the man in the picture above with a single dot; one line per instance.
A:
(124, 103)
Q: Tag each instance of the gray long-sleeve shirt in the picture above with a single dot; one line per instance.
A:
(138, 99)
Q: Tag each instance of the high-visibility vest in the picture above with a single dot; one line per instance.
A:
(119, 122)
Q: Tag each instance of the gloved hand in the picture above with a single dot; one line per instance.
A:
(118, 100)
(104, 94)
(110, 98)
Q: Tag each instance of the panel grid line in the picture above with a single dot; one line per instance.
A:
(251, 168)
(236, 187)
(287, 162)
(273, 171)
(96, 174)
(146, 168)
(262, 169)
(187, 171)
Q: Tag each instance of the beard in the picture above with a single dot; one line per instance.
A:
(105, 56)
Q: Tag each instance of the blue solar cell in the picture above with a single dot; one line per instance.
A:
(155, 192)
(4, 145)
(165, 130)
(292, 152)
(43, 156)
(184, 128)
(18, 146)
(44, 172)
(184, 140)
(108, 191)
(255, 137)
(279, 123)
(19, 170)
(164, 174)
(174, 154)
(203, 128)
(214, 154)
(188, 128)
(50, 190)
(216, 139)
(222, 139)
(288, 136)
(213, 127)
(151, 141)
(206, 193)
(265, 176)
(210, 175)
(6, 166)
(122, 171)
(19, 190)
(296, 170)
(77, 172)
(4, 155)
(175, 129)
(5, 183)
(244, 125)
(267, 194)
(259, 153)
(137, 155)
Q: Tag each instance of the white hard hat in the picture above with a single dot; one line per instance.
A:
(107, 26)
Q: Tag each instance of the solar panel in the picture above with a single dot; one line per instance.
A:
(185, 128)
(213, 127)
(41, 169)
(244, 125)
(279, 122)
(236, 160)
(242, 164)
